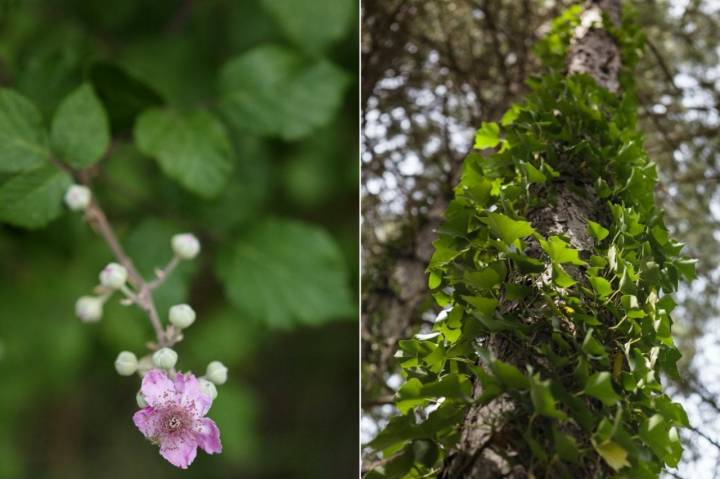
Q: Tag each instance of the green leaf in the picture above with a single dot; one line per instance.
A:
(33, 198)
(23, 140)
(507, 228)
(486, 306)
(661, 438)
(282, 272)
(597, 231)
(560, 251)
(543, 400)
(434, 280)
(274, 91)
(312, 24)
(488, 136)
(191, 147)
(614, 455)
(566, 446)
(484, 279)
(509, 375)
(561, 278)
(599, 386)
(601, 286)
(80, 133)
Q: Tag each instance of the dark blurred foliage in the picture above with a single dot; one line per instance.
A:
(432, 71)
(289, 408)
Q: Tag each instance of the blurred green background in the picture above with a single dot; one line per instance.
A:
(286, 327)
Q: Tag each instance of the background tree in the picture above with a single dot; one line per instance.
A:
(257, 100)
(390, 226)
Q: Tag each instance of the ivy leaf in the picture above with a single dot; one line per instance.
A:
(33, 198)
(507, 228)
(509, 375)
(283, 272)
(560, 251)
(192, 148)
(23, 140)
(601, 286)
(488, 136)
(312, 24)
(599, 386)
(614, 455)
(661, 438)
(80, 133)
(597, 231)
(566, 446)
(274, 91)
(543, 400)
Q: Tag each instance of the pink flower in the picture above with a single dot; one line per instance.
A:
(175, 417)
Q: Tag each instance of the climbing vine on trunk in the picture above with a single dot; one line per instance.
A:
(553, 268)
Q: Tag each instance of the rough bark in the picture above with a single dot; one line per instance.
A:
(485, 449)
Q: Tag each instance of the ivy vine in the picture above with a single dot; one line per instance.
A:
(573, 326)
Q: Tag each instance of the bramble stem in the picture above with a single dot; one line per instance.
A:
(144, 298)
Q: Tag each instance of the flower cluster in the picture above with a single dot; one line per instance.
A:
(173, 404)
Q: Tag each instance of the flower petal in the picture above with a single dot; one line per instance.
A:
(190, 395)
(179, 451)
(207, 435)
(145, 420)
(158, 389)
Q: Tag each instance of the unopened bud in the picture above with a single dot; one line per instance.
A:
(165, 358)
(145, 364)
(216, 372)
(113, 276)
(185, 245)
(89, 309)
(140, 400)
(126, 363)
(208, 388)
(182, 316)
(77, 197)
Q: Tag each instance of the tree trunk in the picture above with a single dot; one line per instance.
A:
(485, 448)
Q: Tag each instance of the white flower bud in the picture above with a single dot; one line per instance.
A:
(89, 309)
(77, 197)
(165, 358)
(208, 388)
(145, 364)
(140, 400)
(182, 316)
(126, 363)
(113, 276)
(185, 245)
(216, 372)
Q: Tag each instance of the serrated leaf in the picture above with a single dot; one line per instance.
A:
(312, 24)
(599, 386)
(33, 198)
(191, 147)
(488, 136)
(283, 272)
(507, 228)
(614, 455)
(274, 91)
(80, 133)
(23, 140)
